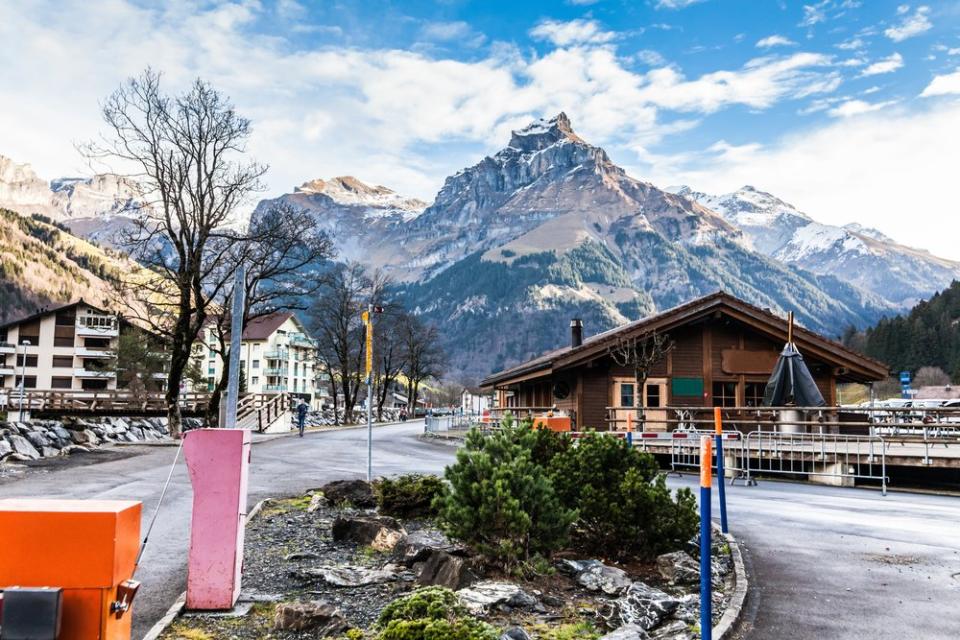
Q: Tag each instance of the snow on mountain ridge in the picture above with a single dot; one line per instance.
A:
(381, 201)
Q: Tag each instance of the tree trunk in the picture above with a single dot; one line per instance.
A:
(172, 396)
(416, 392)
(333, 389)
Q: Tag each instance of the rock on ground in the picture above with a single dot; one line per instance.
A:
(443, 569)
(318, 616)
(356, 492)
(627, 632)
(644, 605)
(678, 568)
(593, 575)
(483, 596)
(380, 532)
(349, 576)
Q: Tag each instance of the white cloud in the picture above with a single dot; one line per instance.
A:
(948, 84)
(814, 14)
(650, 57)
(953, 52)
(891, 169)
(856, 108)
(775, 41)
(910, 26)
(676, 4)
(885, 65)
(852, 44)
(574, 32)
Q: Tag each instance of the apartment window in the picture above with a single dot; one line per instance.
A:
(63, 362)
(66, 318)
(63, 341)
(255, 364)
(254, 380)
(29, 382)
(256, 347)
(59, 382)
(724, 394)
(29, 339)
(97, 343)
(211, 370)
(31, 359)
(296, 368)
(94, 385)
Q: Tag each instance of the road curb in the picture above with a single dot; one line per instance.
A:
(177, 607)
(730, 619)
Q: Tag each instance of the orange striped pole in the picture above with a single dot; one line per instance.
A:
(706, 602)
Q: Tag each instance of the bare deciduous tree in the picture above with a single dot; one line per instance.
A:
(389, 353)
(346, 292)
(640, 353)
(284, 253)
(185, 155)
(424, 357)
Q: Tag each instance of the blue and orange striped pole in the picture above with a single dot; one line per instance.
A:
(721, 492)
(706, 603)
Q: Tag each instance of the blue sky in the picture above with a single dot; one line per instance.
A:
(848, 109)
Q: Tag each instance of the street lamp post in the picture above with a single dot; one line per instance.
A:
(23, 366)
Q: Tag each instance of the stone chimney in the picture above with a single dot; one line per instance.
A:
(576, 332)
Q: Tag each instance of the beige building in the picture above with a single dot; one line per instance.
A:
(276, 354)
(69, 347)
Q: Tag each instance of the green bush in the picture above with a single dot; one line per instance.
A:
(409, 496)
(431, 613)
(502, 501)
(625, 507)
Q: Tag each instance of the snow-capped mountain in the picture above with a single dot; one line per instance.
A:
(549, 228)
(862, 256)
(356, 215)
(91, 207)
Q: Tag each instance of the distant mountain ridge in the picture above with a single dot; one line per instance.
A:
(862, 256)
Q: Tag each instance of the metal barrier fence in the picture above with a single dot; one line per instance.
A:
(828, 458)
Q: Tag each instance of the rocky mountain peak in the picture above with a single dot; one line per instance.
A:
(347, 190)
(542, 133)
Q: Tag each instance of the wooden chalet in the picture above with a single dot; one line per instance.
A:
(724, 350)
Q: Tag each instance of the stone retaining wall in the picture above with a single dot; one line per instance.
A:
(23, 441)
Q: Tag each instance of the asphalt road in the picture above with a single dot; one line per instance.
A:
(825, 563)
(282, 466)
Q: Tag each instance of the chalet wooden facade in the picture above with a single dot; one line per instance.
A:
(724, 350)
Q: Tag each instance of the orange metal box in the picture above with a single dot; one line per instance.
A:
(553, 423)
(86, 547)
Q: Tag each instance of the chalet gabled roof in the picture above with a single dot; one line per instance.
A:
(45, 311)
(761, 320)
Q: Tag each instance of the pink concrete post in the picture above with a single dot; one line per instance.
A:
(218, 462)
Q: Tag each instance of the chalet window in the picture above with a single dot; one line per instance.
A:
(97, 343)
(626, 394)
(31, 359)
(753, 394)
(653, 396)
(67, 318)
(724, 394)
(58, 382)
(63, 362)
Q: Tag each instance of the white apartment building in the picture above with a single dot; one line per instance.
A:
(69, 347)
(276, 354)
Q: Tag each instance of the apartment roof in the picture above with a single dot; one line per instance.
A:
(44, 311)
(263, 327)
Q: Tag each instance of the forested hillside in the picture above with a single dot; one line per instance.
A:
(928, 336)
(42, 264)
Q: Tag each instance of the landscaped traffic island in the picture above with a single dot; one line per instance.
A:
(492, 551)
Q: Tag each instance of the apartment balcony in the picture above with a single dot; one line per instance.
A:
(8, 347)
(89, 352)
(97, 331)
(275, 387)
(88, 373)
(302, 341)
(7, 371)
(279, 354)
(277, 371)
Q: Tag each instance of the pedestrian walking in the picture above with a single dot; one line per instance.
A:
(301, 416)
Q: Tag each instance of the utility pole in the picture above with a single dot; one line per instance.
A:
(23, 366)
(236, 331)
(368, 321)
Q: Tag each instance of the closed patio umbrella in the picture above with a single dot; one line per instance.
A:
(791, 383)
